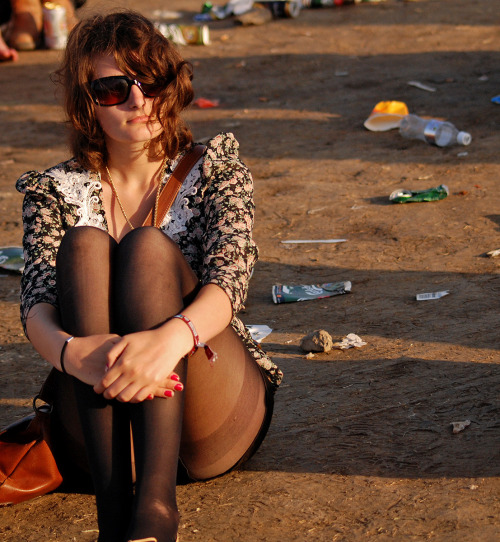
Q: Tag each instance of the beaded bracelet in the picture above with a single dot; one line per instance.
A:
(61, 358)
(211, 355)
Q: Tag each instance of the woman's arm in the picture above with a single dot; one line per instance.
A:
(85, 357)
(141, 361)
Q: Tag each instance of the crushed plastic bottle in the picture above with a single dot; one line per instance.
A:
(435, 132)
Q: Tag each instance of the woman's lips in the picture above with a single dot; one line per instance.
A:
(143, 119)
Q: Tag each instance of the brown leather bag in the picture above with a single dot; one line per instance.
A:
(27, 466)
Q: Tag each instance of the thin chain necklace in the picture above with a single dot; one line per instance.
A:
(157, 197)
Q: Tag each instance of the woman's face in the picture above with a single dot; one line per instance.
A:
(129, 122)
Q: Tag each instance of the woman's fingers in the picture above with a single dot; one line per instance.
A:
(122, 389)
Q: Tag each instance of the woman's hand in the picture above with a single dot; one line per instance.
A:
(141, 365)
(85, 358)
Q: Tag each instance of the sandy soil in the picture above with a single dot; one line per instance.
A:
(361, 446)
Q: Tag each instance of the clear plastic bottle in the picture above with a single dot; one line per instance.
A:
(435, 132)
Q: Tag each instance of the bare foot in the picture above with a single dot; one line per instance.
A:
(6, 53)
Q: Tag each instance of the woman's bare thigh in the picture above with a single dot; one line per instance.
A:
(224, 407)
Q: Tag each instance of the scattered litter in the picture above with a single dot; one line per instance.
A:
(203, 103)
(209, 12)
(432, 295)
(496, 99)
(165, 14)
(386, 116)
(317, 341)
(421, 86)
(483, 78)
(340, 73)
(473, 487)
(408, 196)
(462, 154)
(259, 331)
(182, 34)
(493, 253)
(309, 356)
(288, 294)
(349, 341)
(433, 131)
(12, 259)
(297, 241)
(313, 211)
(459, 426)
(287, 9)
(256, 16)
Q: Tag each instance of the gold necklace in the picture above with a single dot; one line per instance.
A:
(157, 197)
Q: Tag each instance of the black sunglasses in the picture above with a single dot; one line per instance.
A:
(115, 90)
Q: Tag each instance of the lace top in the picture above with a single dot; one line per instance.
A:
(211, 220)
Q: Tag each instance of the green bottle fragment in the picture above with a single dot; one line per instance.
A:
(408, 196)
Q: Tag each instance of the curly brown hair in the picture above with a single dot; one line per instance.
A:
(141, 52)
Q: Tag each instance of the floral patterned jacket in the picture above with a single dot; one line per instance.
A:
(211, 220)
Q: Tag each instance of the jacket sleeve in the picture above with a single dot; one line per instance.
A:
(229, 250)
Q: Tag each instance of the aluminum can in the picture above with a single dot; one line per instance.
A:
(182, 34)
(305, 292)
(55, 26)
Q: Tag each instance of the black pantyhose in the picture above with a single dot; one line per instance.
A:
(106, 287)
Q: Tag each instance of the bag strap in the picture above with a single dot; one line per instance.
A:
(174, 183)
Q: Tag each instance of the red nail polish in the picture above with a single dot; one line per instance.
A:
(150, 396)
(175, 377)
(178, 387)
(167, 393)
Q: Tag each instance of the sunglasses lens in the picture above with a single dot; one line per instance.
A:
(151, 91)
(110, 90)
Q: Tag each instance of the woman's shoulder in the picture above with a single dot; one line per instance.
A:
(35, 181)
(222, 158)
(224, 146)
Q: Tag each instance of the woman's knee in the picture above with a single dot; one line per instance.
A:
(83, 239)
(148, 240)
(148, 248)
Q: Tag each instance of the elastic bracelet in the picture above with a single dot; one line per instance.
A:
(211, 355)
(61, 359)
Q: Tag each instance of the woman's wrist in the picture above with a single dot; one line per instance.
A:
(176, 334)
(62, 361)
(211, 355)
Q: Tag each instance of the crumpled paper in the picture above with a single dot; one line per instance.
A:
(349, 341)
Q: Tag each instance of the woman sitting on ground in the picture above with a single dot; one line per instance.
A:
(124, 309)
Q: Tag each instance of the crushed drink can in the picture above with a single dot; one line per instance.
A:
(283, 293)
(431, 194)
(182, 34)
(55, 26)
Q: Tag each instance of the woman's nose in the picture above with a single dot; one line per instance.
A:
(136, 97)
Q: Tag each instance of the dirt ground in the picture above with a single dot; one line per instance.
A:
(361, 446)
